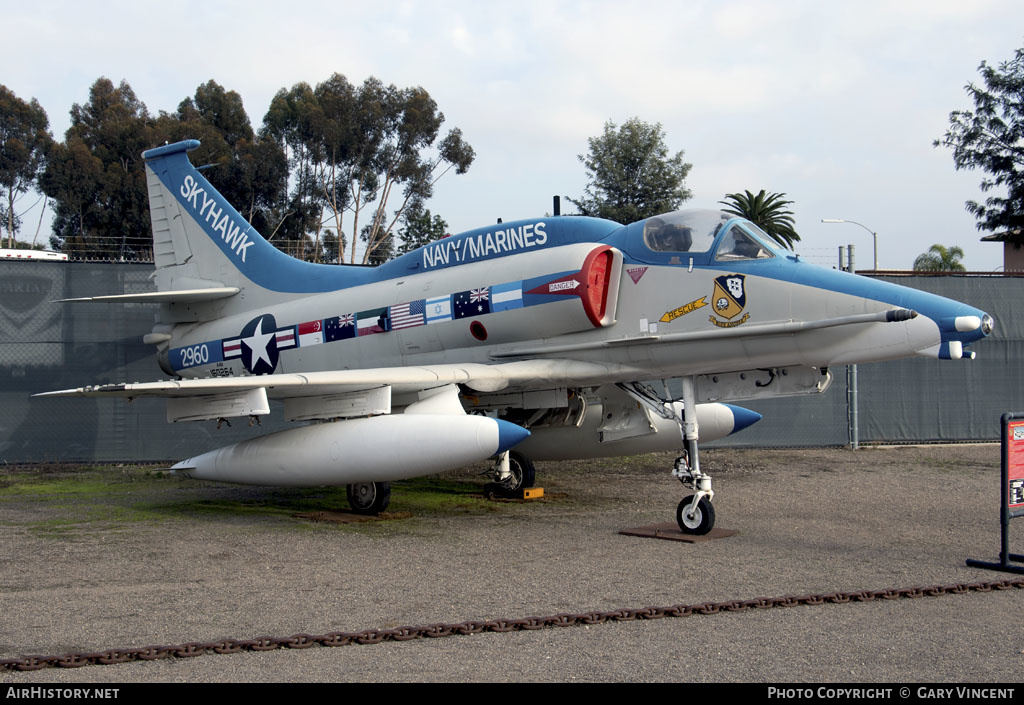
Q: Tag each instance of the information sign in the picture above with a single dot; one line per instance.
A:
(1012, 490)
(1015, 464)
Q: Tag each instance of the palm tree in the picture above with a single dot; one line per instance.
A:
(767, 211)
(939, 258)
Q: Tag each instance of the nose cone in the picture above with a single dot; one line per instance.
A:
(742, 418)
(509, 434)
(987, 324)
(967, 328)
(958, 331)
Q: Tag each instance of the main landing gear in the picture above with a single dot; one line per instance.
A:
(513, 473)
(695, 515)
(369, 497)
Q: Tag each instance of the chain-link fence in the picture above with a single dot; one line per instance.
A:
(45, 346)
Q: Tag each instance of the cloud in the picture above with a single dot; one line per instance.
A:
(832, 103)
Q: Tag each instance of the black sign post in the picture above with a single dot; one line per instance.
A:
(1012, 504)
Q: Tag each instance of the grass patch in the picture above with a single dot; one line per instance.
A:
(86, 480)
(71, 502)
(250, 501)
(438, 495)
(428, 496)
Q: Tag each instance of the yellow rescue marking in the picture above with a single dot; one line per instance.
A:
(683, 310)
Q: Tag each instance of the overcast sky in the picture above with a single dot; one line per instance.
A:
(834, 104)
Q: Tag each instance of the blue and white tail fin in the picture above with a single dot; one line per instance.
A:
(202, 244)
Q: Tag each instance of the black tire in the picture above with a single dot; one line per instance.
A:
(524, 474)
(703, 520)
(369, 497)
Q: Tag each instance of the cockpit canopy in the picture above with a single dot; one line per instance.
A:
(695, 231)
(684, 231)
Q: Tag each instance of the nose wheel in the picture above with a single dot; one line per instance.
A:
(695, 515)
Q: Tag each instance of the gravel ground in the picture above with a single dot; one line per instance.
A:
(123, 558)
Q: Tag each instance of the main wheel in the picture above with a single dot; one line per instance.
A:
(369, 497)
(524, 474)
(702, 519)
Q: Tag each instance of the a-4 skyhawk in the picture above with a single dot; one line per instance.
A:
(560, 337)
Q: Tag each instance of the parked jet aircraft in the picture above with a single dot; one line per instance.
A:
(561, 337)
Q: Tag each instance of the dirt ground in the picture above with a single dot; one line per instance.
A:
(126, 556)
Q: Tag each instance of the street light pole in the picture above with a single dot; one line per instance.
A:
(853, 416)
(846, 264)
(874, 235)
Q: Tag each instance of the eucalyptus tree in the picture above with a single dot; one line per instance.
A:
(96, 177)
(404, 158)
(250, 170)
(24, 142)
(367, 150)
(290, 121)
(100, 200)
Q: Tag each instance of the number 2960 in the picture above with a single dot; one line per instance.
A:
(194, 355)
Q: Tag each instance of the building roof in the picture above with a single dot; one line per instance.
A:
(1015, 236)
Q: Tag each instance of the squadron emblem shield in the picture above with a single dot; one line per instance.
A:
(729, 298)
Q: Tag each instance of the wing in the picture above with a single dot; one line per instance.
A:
(362, 392)
(480, 377)
(342, 393)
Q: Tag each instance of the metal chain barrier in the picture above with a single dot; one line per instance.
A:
(376, 636)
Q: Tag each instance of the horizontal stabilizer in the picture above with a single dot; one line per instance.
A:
(181, 296)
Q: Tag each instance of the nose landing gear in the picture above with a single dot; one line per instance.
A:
(695, 514)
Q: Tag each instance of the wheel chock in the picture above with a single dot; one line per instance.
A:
(494, 491)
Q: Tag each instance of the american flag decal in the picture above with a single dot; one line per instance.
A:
(407, 315)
